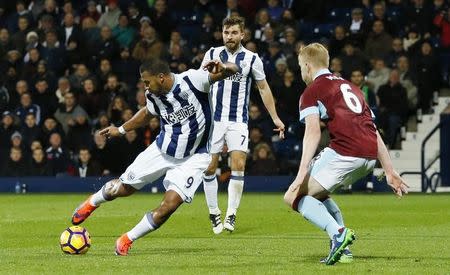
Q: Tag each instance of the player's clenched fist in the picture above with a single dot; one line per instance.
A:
(110, 131)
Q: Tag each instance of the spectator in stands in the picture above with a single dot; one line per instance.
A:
(140, 100)
(30, 66)
(26, 107)
(177, 61)
(378, 42)
(114, 88)
(134, 15)
(91, 99)
(44, 98)
(357, 78)
(46, 23)
(288, 19)
(70, 31)
(336, 66)
(393, 107)
(107, 47)
(21, 87)
(428, 77)
(255, 137)
(408, 80)
(337, 42)
(32, 41)
(43, 73)
(62, 89)
(411, 42)
(57, 156)
(352, 59)
(91, 36)
(51, 9)
(160, 18)
(148, 47)
(395, 52)
(104, 154)
(87, 167)
(131, 147)
(262, 21)
(269, 59)
(379, 14)
(7, 129)
(151, 131)
(19, 37)
(442, 21)
(16, 166)
(274, 9)
(257, 119)
(67, 113)
(49, 127)
(5, 42)
(115, 109)
(288, 96)
(358, 28)
(39, 165)
(420, 14)
(110, 18)
(53, 52)
(379, 75)
(290, 39)
(91, 12)
(78, 77)
(79, 132)
(123, 33)
(102, 121)
(264, 162)
(21, 12)
(30, 130)
(35, 144)
(103, 71)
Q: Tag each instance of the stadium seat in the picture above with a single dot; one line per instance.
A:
(339, 15)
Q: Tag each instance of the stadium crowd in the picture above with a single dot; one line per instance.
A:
(70, 68)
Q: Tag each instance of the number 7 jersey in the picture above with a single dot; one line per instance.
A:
(342, 107)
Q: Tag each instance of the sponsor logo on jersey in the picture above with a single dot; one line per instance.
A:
(180, 115)
(236, 77)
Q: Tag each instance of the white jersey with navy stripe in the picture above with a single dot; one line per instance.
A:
(230, 97)
(185, 114)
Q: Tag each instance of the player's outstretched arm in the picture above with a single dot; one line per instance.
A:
(267, 98)
(139, 119)
(393, 179)
(219, 71)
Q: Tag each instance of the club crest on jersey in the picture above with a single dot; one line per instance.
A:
(180, 114)
(243, 64)
(131, 175)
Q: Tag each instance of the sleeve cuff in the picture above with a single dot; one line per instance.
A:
(308, 111)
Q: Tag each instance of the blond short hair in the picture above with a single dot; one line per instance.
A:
(315, 54)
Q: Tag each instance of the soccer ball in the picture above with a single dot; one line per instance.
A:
(75, 240)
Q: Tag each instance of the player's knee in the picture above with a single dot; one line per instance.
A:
(167, 208)
(210, 171)
(292, 200)
(115, 188)
(238, 164)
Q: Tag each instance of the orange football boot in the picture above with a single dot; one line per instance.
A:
(123, 244)
(83, 212)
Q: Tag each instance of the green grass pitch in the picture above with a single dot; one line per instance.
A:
(401, 236)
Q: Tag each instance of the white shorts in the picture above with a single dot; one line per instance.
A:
(333, 170)
(182, 175)
(234, 134)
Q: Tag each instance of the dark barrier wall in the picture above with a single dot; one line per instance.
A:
(89, 185)
(445, 147)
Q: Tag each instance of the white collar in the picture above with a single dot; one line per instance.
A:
(321, 72)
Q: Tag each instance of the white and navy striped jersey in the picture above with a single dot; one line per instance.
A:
(230, 97)
(185, 114)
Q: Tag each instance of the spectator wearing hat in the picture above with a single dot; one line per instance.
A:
(123, 33)
(32, 42)
(15, 166)
(53, 53)
(110, 18)
(91, 12)
(27, 106)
